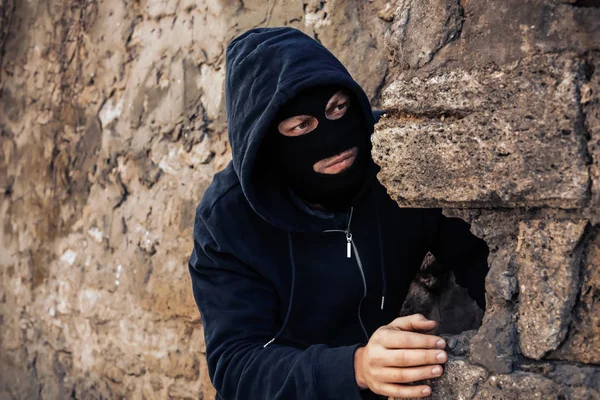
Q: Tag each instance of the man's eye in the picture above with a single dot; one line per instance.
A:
(337, 111)
(303, 125)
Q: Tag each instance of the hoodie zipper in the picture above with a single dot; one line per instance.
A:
(350, 247)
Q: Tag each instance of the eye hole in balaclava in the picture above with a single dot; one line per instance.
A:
(294, 157)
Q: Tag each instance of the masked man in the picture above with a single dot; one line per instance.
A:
(301, 260)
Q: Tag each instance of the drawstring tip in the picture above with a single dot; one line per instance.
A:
(382, 301)
(268, 343)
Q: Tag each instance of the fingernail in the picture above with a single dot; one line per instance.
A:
(437, 370)
(441, 343)
(441, 356)
(426, 391)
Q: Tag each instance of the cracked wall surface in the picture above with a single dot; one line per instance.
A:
(112, 125)
(493, 113)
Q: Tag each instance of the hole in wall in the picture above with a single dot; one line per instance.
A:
(435, 294)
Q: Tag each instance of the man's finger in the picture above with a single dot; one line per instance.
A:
(403, 392)
(408, 375)
(415, 322)
(414, 358)
(396, 339)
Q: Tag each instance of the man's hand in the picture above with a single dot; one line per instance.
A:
(396, 355)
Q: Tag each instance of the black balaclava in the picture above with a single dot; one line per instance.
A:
(294, 157)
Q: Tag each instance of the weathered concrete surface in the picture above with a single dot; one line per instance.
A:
(548, 261)
(493, 113)
(111, 126)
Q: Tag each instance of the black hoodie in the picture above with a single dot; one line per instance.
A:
(286, 293)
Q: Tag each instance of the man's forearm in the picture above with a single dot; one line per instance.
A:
(283, 372)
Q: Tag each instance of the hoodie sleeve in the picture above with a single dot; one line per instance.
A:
(239, 311)
(466, 254)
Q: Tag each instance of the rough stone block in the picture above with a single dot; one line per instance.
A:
(583, 341)
(590, 100)
(548, 259)
(458, 345)
(459, 381)
(478, 138)
(567, 374)
(576, 375)
(493, 113)
(526, 386)
(494, 344)
(442, 19)
(429, 34)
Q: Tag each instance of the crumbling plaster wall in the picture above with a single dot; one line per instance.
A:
(494, 114)
(112, 125)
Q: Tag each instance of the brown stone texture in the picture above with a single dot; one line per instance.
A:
(583, 342)
(408, 48)
(493, 114)
(590, 101)
(548, 261)
(497, 144)
(112, 124)
(493, 345)
(499, 101)
(459, 381)
(526, 386)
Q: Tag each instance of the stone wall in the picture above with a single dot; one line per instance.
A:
(112, 125)
(494, 114)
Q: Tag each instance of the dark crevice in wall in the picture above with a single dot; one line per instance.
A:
(586, 3)
(6, 17)
(316, 37)
(378, 95)
(455, 35)
(432, 114)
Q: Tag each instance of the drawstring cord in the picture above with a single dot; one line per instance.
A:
(289, 309)
(380, 237)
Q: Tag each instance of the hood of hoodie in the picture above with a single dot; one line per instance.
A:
(265, 68)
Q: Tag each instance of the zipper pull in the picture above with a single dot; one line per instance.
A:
(349, 244)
